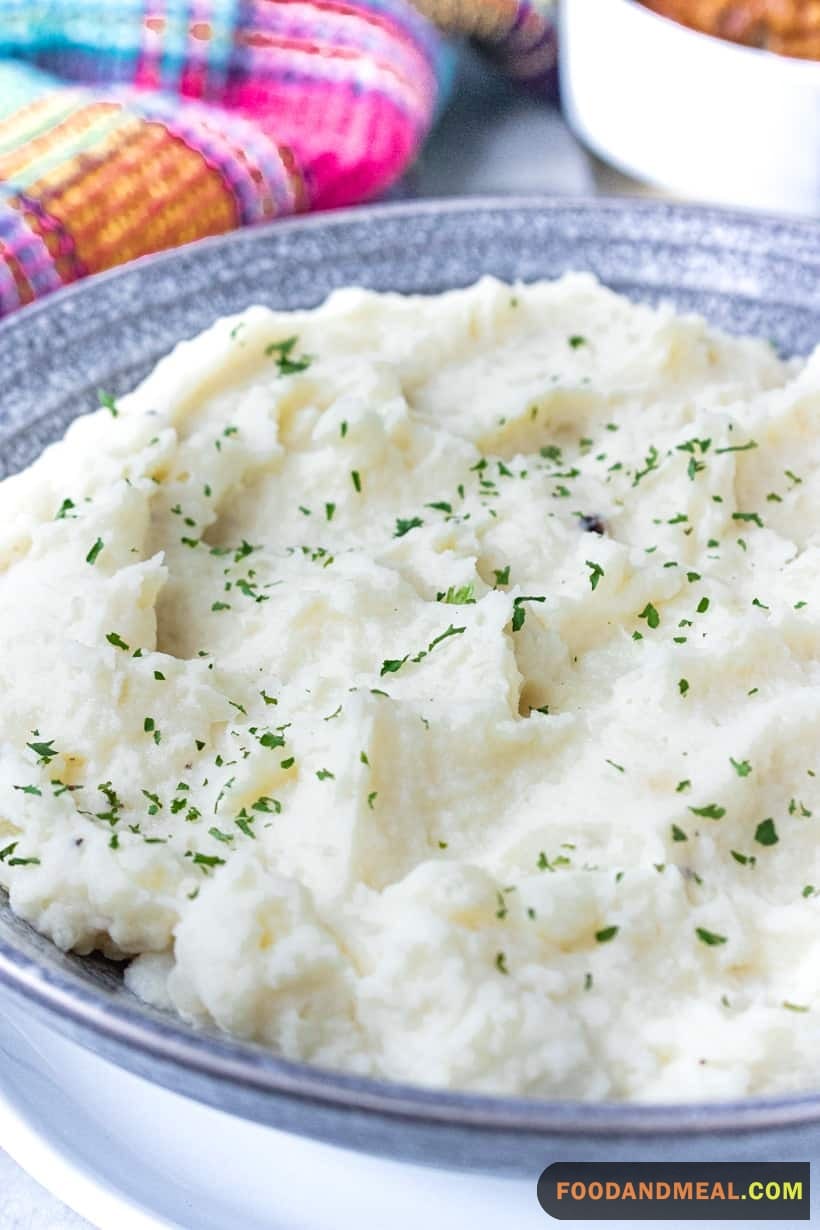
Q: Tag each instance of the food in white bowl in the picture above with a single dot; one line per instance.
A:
(427, 688)
(697, 116)
(788, 27)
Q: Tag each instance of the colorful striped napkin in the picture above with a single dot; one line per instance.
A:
(130, 126)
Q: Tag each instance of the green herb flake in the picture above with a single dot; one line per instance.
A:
(519, 614)
(404, 526)
(462, 596)
(108, 402)
(243, 822)
(44, 751)
(207, 861)
(596, 572)
(712, 811)
(283, 352)
(748, 516)
(267, 805)
(710, 938)
(391, 665)
(738, 448)
(766, 833)
(606, 934)
(94, 553)
(650, 614)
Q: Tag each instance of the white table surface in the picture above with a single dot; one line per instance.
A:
(493, 139)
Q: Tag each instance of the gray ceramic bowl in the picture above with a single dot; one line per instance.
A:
(747, 274)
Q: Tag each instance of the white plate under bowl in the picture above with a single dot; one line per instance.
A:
(128, 1155)
(698, 116)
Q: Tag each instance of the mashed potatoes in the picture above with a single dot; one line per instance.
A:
(430, 688)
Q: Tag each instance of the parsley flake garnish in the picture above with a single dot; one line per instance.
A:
(606, 934)
(94, 553)
(463, 596)
(44, 751)
(748, 516)
(404, 526)
(206, 861)
(519, 614)
(738, 448)
(107, 402)
(451, 631)
(283, 352)
(391, 665)
(711, 938)
(650, 614)
(766, 833)
(595, 574)
(712, 811)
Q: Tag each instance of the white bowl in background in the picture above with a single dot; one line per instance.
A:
(690, 113)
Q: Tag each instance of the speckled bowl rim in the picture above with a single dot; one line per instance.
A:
(71, 1005)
